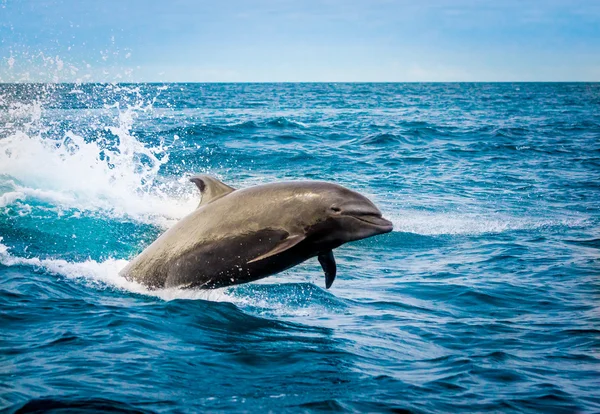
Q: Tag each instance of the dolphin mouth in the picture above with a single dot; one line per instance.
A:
(383, 224)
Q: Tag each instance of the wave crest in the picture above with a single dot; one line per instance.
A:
(119, 176)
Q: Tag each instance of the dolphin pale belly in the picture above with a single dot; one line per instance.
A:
(238, 236)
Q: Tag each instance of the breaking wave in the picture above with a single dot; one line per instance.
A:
(119, 177)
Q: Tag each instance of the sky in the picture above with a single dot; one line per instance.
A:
(299, 40)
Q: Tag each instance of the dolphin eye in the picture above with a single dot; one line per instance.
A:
(336, 209)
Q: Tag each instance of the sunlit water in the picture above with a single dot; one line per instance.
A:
(485, 297)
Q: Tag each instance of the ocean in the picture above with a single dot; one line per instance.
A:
(485, 297)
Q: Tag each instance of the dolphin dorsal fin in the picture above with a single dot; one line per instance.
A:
(210, 188)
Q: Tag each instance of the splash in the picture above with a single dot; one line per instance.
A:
(118, 178)
(296, 299)
(105, 274)
(10, 198)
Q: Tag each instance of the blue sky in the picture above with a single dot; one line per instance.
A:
(295, 40)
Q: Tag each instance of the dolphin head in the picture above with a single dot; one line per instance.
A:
(345, 215)
(357, 217)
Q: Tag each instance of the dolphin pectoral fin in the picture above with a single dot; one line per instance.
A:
(210, 188)
(282, 246)
(328, 264)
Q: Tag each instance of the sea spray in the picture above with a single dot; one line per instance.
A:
(119, 176)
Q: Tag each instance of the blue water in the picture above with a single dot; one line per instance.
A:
(485, 297)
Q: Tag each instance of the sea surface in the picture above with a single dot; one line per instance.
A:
(485, 297)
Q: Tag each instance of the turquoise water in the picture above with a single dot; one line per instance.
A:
(484, 297)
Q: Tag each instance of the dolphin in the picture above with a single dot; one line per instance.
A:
(239, 236)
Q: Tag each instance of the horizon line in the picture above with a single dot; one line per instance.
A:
(288, 82)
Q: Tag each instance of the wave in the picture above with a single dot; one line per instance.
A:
(221, 129)
(433, 224)
(287, 298)
(120, 178)
(283, 122)
(104, 274)
(73, 404)
(385, 138)
(11, 197)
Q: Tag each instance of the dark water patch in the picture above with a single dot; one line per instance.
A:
(355, 406)
(450, 383)
(75, 405)
(64, 339)
(217, 130)
(32, 283)
(227, 317)
(575, 357)
(594, 243)
(381, 139)
(496, 356)
(399, 305)
(548, 399)
(502, 376)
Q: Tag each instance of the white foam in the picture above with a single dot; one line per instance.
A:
(425, 223)
(106, 275)
(120, 180)
(10, 197)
